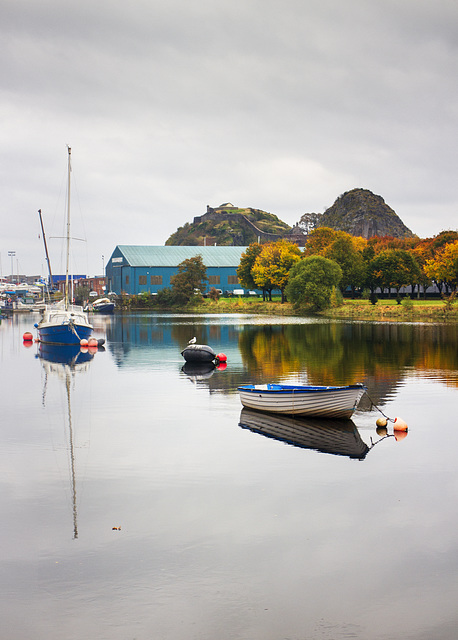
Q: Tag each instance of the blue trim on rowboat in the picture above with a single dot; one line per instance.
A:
(284, 388)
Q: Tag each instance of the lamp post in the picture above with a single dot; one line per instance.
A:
(11, 255)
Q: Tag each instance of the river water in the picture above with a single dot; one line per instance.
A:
(137, 501)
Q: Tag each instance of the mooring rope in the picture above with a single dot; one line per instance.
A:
(378, 409)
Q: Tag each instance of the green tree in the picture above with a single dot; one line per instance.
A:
(272, 266)
(192, 274)
(344, 252)
(394, 268)
(247, 261)
(311, 282)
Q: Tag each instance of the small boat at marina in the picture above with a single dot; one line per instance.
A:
(63, 322)
(296, 400)
(198, 353)
(337, 437)
(101, 305)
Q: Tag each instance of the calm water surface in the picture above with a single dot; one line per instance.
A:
(135, 506)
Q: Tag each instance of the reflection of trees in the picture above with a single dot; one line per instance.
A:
(345, 353)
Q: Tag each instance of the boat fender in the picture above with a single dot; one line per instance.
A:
(399, 424)
(101, 342)
(381, 422)
(221, 357)
(92, 342)
(83, 342)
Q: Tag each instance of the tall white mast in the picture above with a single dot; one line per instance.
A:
(67, 270)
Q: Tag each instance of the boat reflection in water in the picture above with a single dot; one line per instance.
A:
(340, 438)
(64, 362)
(198, 370)
(64, 354)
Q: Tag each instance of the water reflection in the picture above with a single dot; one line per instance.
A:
(380, 355)
(327, 436)
(63, 362)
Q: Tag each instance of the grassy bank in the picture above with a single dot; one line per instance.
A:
(407, 311)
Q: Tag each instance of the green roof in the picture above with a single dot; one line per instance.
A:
(167, 256)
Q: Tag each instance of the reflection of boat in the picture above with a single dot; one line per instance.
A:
(101, 305)
(198, 353)
(339, 438)
(64, 361)
(70, 354)
(326, 402)
(64, 323)
(198, 370)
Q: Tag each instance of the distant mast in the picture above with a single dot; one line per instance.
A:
(46, 248)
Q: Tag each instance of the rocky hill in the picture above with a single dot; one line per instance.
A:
(360, 213)
(230, 225)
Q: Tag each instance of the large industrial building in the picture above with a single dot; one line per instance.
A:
(134, 269)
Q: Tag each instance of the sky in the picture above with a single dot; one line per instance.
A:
(173, 105)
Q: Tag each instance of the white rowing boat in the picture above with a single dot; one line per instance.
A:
(296, 400)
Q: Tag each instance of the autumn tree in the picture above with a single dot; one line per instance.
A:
(273, 264)
(192, 274)
(247, 261)
(443, 268)
(311, 282)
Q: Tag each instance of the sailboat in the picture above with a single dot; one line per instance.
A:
(64, 322)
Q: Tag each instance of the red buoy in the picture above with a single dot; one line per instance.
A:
(221, 357)
(27, 337)
(92, 342)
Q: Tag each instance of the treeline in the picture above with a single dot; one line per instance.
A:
(335, 261)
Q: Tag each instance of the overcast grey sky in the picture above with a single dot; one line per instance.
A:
(170, 105)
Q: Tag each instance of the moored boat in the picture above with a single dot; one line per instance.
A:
(318, 401)
(198, 353)
(102, 305)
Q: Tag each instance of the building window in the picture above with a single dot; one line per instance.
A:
(232, 280)
(127, 279)
(141, 279)
(156, 279)
(214, 280)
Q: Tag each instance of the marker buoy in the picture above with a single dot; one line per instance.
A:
(83, 342)
(27, 337)
(381, 422)
(399, 425)
(221, 357)
(92, 342)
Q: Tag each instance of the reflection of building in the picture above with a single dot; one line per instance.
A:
(137, 269)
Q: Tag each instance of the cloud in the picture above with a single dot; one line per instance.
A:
(172, 106)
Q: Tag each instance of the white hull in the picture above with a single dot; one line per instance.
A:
(326, 402)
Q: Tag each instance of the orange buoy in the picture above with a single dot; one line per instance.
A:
(221, 357)
(92, 342)
(399, 425)
(27, 337)
(83, 342)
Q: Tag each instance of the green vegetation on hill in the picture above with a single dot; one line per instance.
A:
(228, 227)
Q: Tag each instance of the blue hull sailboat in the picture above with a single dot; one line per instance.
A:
(64, 323)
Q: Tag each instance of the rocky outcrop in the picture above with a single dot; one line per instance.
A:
(360, 213)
